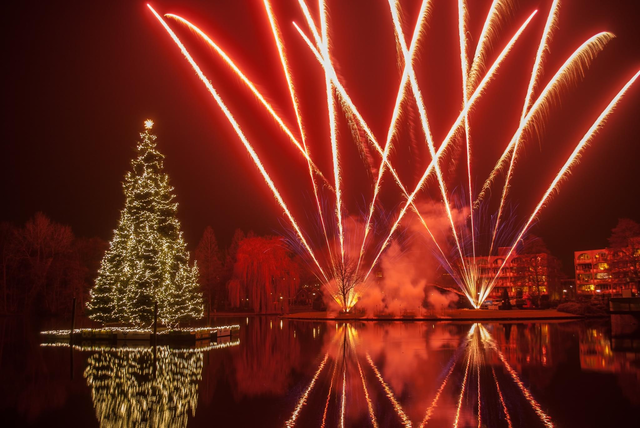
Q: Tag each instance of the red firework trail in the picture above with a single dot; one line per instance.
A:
(462, 264)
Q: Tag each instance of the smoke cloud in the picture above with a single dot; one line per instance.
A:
(402, 283)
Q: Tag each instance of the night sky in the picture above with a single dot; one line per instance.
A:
(80, 77)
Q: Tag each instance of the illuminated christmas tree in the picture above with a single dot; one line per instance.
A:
(147, 261)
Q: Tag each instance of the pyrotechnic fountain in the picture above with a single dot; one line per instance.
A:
(344, 270)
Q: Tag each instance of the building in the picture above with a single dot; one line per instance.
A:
(522, 275)
(611, 271)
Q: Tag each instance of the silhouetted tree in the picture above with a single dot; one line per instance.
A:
(625, 240)
(623, 232)
(211, 270)
(347, 276)
(89, 254)
(45, 254)
(44, 266)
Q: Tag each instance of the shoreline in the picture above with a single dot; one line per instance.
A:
(452, 315)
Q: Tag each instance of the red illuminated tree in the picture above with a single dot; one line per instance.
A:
(265, 276)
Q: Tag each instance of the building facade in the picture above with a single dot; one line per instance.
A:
(611, 271)
(522, 275)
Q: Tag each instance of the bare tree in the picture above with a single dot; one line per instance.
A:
(347, 278)
(622, 235)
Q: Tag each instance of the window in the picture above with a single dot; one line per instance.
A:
(602, 265)
(602, 256)
(584, 268)
(584, 256)
(498, 262)
(602, 275)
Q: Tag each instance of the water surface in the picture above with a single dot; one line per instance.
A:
(280, 373)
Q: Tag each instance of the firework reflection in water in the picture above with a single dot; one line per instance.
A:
(453, 378)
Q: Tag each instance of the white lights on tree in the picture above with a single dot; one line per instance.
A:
(147, 261)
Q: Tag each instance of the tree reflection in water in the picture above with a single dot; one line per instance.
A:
(145, 387)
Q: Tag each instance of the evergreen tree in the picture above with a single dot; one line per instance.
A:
(147, 261)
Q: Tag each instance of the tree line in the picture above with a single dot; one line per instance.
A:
(256, 274)
(44, 266)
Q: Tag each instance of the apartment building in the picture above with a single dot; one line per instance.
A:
(611, 271)
(522, 274)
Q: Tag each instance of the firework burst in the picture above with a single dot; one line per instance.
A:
(349, 249)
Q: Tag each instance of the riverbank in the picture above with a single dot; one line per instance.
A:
(448, 315)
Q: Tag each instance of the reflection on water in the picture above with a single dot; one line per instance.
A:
(144, 387)
(476, 357)
(283, 373)
(417, 375)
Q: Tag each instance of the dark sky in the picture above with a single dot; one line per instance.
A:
(79, 78)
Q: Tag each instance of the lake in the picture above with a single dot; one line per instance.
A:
(285, 373)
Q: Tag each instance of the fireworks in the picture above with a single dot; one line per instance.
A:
(345, 266)
(364, 372)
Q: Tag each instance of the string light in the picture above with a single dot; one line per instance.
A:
(147, 261)
(111, 330)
